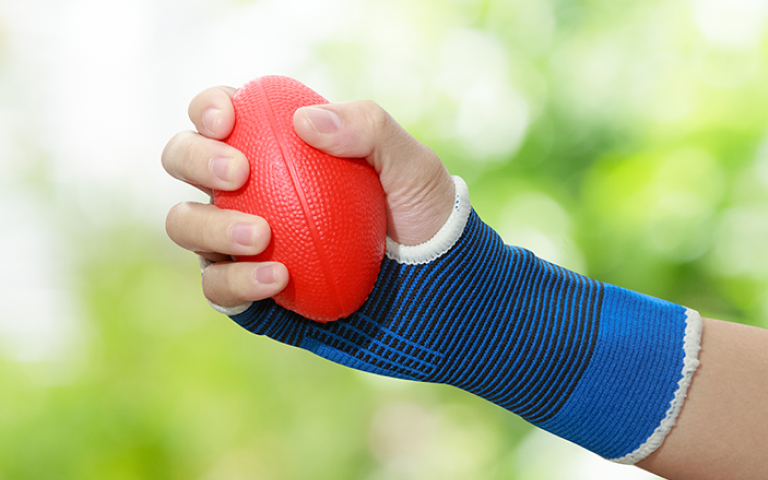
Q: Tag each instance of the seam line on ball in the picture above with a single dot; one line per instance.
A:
(288, 160)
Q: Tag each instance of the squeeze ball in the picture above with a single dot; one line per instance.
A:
(327, 214)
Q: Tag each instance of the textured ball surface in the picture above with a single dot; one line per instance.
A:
(326, 213)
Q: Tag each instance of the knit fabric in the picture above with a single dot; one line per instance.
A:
(604, 367)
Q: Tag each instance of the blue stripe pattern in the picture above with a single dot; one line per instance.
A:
(490, 319)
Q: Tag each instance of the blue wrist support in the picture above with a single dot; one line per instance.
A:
(601, 366)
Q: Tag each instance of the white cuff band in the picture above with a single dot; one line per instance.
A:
(691, 347)
(443, 240)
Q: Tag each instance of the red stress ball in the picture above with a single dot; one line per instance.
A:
(326, 213)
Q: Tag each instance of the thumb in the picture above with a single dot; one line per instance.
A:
(419, 190)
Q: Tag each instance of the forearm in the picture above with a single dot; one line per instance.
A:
(722, 430)
(602, 366)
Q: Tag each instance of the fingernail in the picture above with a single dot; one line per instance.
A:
(210, 118)
(324, 121)
(243, 233)
(220, 166)
(265, 274)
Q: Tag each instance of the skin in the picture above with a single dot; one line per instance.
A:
(721, 431)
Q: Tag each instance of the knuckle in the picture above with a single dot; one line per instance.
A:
(188, 157)
(179, 225)
(175, 214)
(180, 210)
(379, 120)
(377, 116)
(222, 284)
(210, 284)
(172, 151)
(375, 113)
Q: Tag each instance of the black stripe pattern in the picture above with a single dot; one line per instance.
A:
(490, 319)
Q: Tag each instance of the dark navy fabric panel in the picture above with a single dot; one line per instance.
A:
(593, 363)
(488, 318)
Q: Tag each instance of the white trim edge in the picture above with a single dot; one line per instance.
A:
(444, 239)
(205, 263)
(691, 345)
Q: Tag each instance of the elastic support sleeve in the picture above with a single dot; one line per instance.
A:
(599, 365)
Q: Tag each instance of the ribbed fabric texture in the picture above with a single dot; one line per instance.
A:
(595, 364)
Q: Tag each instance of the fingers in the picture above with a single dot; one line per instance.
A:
(205, 163)
(199, 158)
(231, 284)
(207, 228)
(418, 187)
(212, 112)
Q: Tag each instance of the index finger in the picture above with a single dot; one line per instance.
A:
(212, 112)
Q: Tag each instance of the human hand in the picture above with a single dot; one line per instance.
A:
(419, 191)
(565, 352)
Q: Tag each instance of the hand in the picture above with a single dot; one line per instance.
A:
(418, 188)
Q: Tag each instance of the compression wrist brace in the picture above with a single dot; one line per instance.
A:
(601, 366)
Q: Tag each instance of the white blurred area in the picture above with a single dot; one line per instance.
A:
(37, 311)
(103, 85)
(537, 222)
(731, 24)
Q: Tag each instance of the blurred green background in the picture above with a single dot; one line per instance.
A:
(625, 139)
